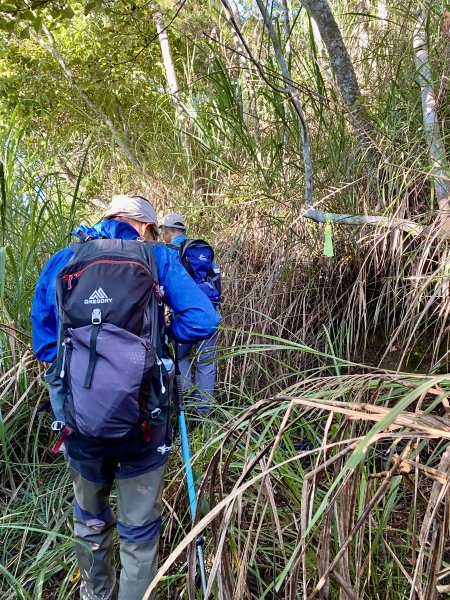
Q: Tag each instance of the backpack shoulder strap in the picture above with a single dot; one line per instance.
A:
(76, 246)
(184, 246)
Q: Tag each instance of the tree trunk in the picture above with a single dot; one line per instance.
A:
(439, 169)
(287, 30)
(287, 55)
(382, 13)
(169, 68)
(172, 85)
(321, 12)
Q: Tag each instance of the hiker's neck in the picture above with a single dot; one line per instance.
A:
(145, 230)
(169, 235)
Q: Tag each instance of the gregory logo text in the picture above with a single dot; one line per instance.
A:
(98, 297)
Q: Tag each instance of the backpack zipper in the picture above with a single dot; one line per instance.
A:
(159, 363)
(65, 343)
(70, 276)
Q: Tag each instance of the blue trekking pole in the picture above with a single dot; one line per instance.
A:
(187, 464)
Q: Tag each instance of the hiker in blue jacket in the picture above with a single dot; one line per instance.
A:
(136, 465)
(197, 362)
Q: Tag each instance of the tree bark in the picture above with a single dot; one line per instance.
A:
(439, 169)
(321, 12)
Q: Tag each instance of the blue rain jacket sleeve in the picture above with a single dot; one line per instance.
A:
(44, 316)
(195, 318)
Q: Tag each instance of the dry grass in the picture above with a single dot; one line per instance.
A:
(364, 510)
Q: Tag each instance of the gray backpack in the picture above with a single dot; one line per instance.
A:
(113, 381)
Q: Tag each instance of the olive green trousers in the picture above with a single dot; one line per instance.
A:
(139, 503)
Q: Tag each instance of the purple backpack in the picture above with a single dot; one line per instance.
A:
(116, 384)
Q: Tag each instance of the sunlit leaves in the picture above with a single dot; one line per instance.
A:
(18, 15)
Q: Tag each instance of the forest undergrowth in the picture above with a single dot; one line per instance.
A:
(323, 467)
(317, 471)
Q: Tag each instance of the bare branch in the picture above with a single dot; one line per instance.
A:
(321, 217)
(411, 227)
(292, 93)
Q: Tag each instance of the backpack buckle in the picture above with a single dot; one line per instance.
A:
(96, 316)
(58, 425)
(155, 413)
(61, 439)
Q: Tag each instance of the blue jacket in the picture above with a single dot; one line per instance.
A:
(177, 241)
(194, 316)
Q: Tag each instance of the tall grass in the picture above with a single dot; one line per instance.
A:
(326, 484)
(322, 469)
(38, 213)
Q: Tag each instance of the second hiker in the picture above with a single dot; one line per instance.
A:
(196, 359)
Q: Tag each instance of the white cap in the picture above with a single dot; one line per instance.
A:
(133, 207)
(174, 220)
